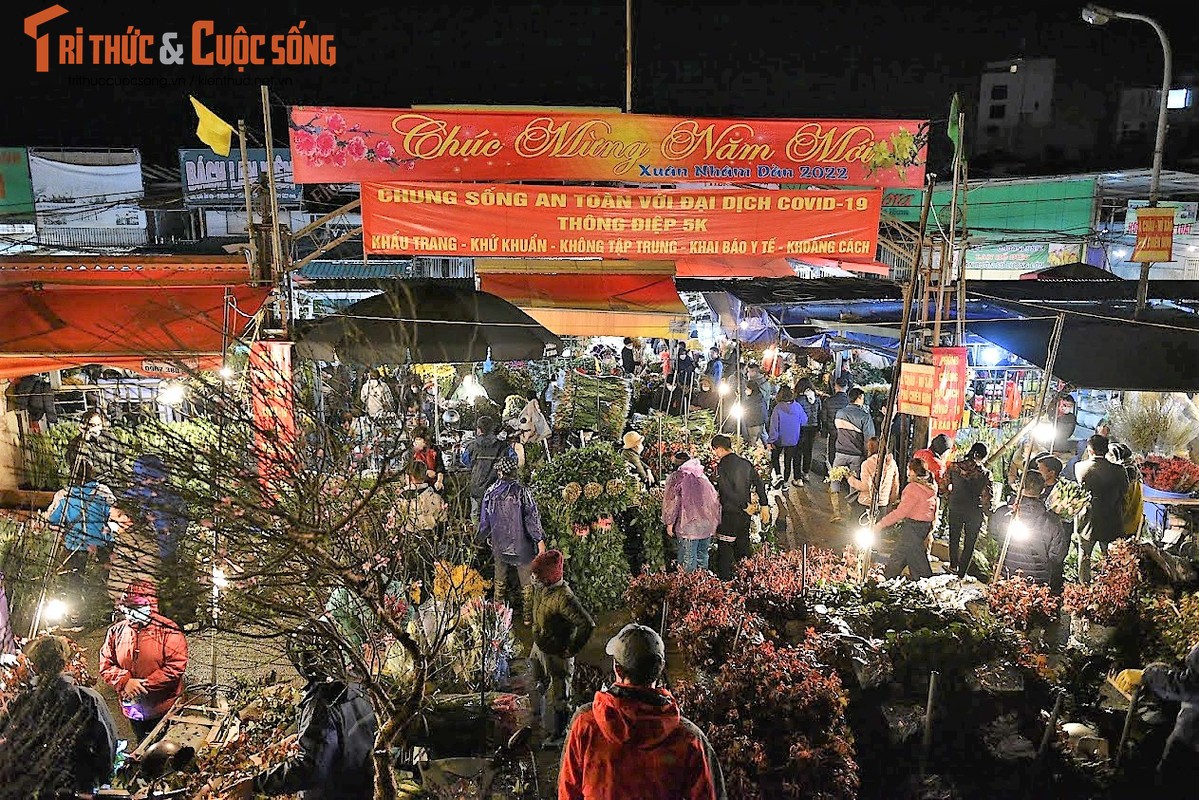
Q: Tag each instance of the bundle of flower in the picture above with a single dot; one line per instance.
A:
(481, 644)
(838, 474)
(1021, 602)
(774, 582)
(1113, 591)
(595, 565)
(1068, 499)
(777, 717)
(590, 481)
(267, 713)
(595, 402)
(1173, 474)
(457, 584)
(1172, 626)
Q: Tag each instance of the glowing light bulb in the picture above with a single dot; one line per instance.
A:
(736, 411)
(1044, 431)
(54, 610)
(723, 389)
(863, 538)
(991, 356)
(172, 394)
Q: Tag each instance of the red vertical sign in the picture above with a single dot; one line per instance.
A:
(273, 409)
(949, 396)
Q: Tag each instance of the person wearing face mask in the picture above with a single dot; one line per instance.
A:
(809, 401)
(144, 658)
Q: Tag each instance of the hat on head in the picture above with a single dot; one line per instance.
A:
(681, 457)
(547, 567)
(506, 465)
(139, 593)
(638, 648)
(632, 439)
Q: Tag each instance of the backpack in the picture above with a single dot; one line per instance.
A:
(483, 473)
(83, 514)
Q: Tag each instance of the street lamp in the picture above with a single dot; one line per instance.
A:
(1097, 15)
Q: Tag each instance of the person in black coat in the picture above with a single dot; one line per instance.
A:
(1038, 543)
(336, 734)
(828, 416)
(1104, 521)
(56, 738)
(736, 480)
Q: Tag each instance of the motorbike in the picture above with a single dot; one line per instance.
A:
(510, 772)
(145, 775)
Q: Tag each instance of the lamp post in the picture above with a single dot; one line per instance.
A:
(1097, 15)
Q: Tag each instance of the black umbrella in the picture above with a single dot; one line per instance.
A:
(426, 323)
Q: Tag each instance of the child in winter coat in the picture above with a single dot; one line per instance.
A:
(561, 627)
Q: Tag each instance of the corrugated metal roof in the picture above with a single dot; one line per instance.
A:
(319, 270)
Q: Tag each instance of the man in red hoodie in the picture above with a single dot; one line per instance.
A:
(632, 743)
(143, 658)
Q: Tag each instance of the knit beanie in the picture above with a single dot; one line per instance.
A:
(547, 567)
(505, 465)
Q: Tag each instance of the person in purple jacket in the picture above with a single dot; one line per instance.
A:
(786, 425)
(510, 522)
(691, 512)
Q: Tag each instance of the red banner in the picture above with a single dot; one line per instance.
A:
(272, 405)
(949, 399)
(361, 145)
(916, 389)
(1155, 236)
(557, 221)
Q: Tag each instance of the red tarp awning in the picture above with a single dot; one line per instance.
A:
(120, 318)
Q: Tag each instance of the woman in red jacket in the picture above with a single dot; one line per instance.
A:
(143, 658)
(915, 514)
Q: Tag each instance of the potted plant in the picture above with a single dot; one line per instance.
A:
(1096, 609)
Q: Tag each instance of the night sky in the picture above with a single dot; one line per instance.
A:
(836, 59)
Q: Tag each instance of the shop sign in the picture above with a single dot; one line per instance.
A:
(1025, 256)
(1155, 236)
(1050, 204)
(916, 384)
(949, 398)
(219, 181)
(1184, 217)
(16, 189)
(474, 220)
(362, 145)
(82, 195)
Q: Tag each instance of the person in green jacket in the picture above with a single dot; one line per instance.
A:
(561, 627)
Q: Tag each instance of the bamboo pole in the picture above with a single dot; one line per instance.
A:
(927, 744)
(909, 292)
(277, 261)
(1055, 340)
(1128, 718)
(1051, 726)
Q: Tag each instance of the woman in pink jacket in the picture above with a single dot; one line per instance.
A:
(915, 514)
(691, 512)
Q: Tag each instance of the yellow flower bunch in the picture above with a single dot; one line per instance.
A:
(615, 487)
(592, 490)
(572, 492)
(458, 582)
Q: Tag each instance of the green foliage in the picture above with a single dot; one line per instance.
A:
(588, 401)
(573, 491)
(582, 470)
(595, 565)
(1172, 626)
(48, 469)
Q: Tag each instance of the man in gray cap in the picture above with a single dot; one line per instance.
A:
(633, 734)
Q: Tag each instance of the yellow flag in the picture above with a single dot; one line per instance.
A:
(212, 130)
